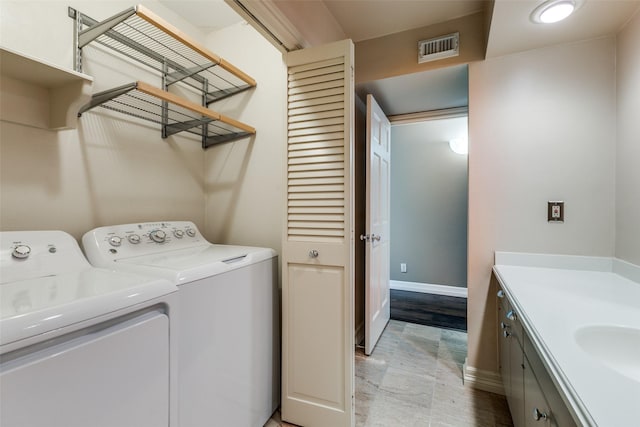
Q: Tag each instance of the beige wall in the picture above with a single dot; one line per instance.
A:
(112, 168)
(397, 54)
(244, 180)
(542, 126)
(628, 153)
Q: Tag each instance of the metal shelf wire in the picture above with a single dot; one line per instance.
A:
(172, 112)
(139, 34)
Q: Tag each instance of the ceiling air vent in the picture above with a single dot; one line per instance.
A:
(438, 48)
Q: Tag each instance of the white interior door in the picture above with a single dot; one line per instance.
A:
(318, 247)
(377, 294)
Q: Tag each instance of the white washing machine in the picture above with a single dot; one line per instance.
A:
(229, 351)
(82, 346)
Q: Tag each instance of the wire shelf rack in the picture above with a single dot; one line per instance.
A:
(173, 113)
(139, 34)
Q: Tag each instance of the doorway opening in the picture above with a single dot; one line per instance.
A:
(428, 208)
(429, 188)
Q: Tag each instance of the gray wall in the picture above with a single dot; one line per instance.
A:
(429, 203)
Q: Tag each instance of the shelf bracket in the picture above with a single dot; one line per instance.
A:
(173, 128)
(219, 139)
(94, 31)
(182, 74)
(105, 96)
(225, 93)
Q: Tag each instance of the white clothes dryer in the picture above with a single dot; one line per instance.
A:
(82, 346)
(229, 341)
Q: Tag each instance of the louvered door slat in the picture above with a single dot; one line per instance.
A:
(316, 209)
(306, 96)
(316, 144)
(316, 115)
(315, 167)
(317, 137)
(316, 152)
(311, 181)
(294, 106)
(316, 203)
(327, 69)
(309, 89)
(315, 108)
(320, 130)
(315, 80)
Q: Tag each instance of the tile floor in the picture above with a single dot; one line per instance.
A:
(414, 378)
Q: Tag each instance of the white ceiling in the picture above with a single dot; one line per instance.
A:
(368, 19)
(432, 90)
(511, 31)
(206, 15)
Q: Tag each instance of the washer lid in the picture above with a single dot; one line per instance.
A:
(186, 265)
(38, 305)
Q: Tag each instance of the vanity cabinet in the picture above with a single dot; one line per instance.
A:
(511, 358)
(533, 398)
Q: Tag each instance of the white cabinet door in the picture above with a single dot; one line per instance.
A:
(536, 409)
(377, 293)
(318, 250)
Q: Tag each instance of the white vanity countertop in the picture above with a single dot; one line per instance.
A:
(567, 304)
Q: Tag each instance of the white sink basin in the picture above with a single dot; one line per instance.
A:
(616, 347)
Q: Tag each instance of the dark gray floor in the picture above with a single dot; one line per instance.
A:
(429, 309)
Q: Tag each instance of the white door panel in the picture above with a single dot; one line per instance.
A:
(317, 259)
(377, 294)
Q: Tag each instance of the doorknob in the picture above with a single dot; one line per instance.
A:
(313, 253)
(364, 237)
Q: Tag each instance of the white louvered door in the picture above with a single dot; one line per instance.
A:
(318, 250)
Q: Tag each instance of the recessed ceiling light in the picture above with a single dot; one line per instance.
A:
(554, 10)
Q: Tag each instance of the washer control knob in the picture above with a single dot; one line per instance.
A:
(178, 233)
(191, 232)
(134, 239)
(158, 236)
(115, 241)
(21, 251)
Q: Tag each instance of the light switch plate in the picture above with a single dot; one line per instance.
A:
(555, 211)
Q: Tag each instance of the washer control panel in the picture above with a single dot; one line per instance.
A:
(30, 254)
(128, 240)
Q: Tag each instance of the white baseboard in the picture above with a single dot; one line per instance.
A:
(482, 380)
(428, 288)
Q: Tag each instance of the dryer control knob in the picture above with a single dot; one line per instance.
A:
(134, 239)
(158, 236)
(21, 251)
(191, 232)
(178, 233)
(115, 241)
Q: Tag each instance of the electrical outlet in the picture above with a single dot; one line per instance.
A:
(403, 267)
(555, 211)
